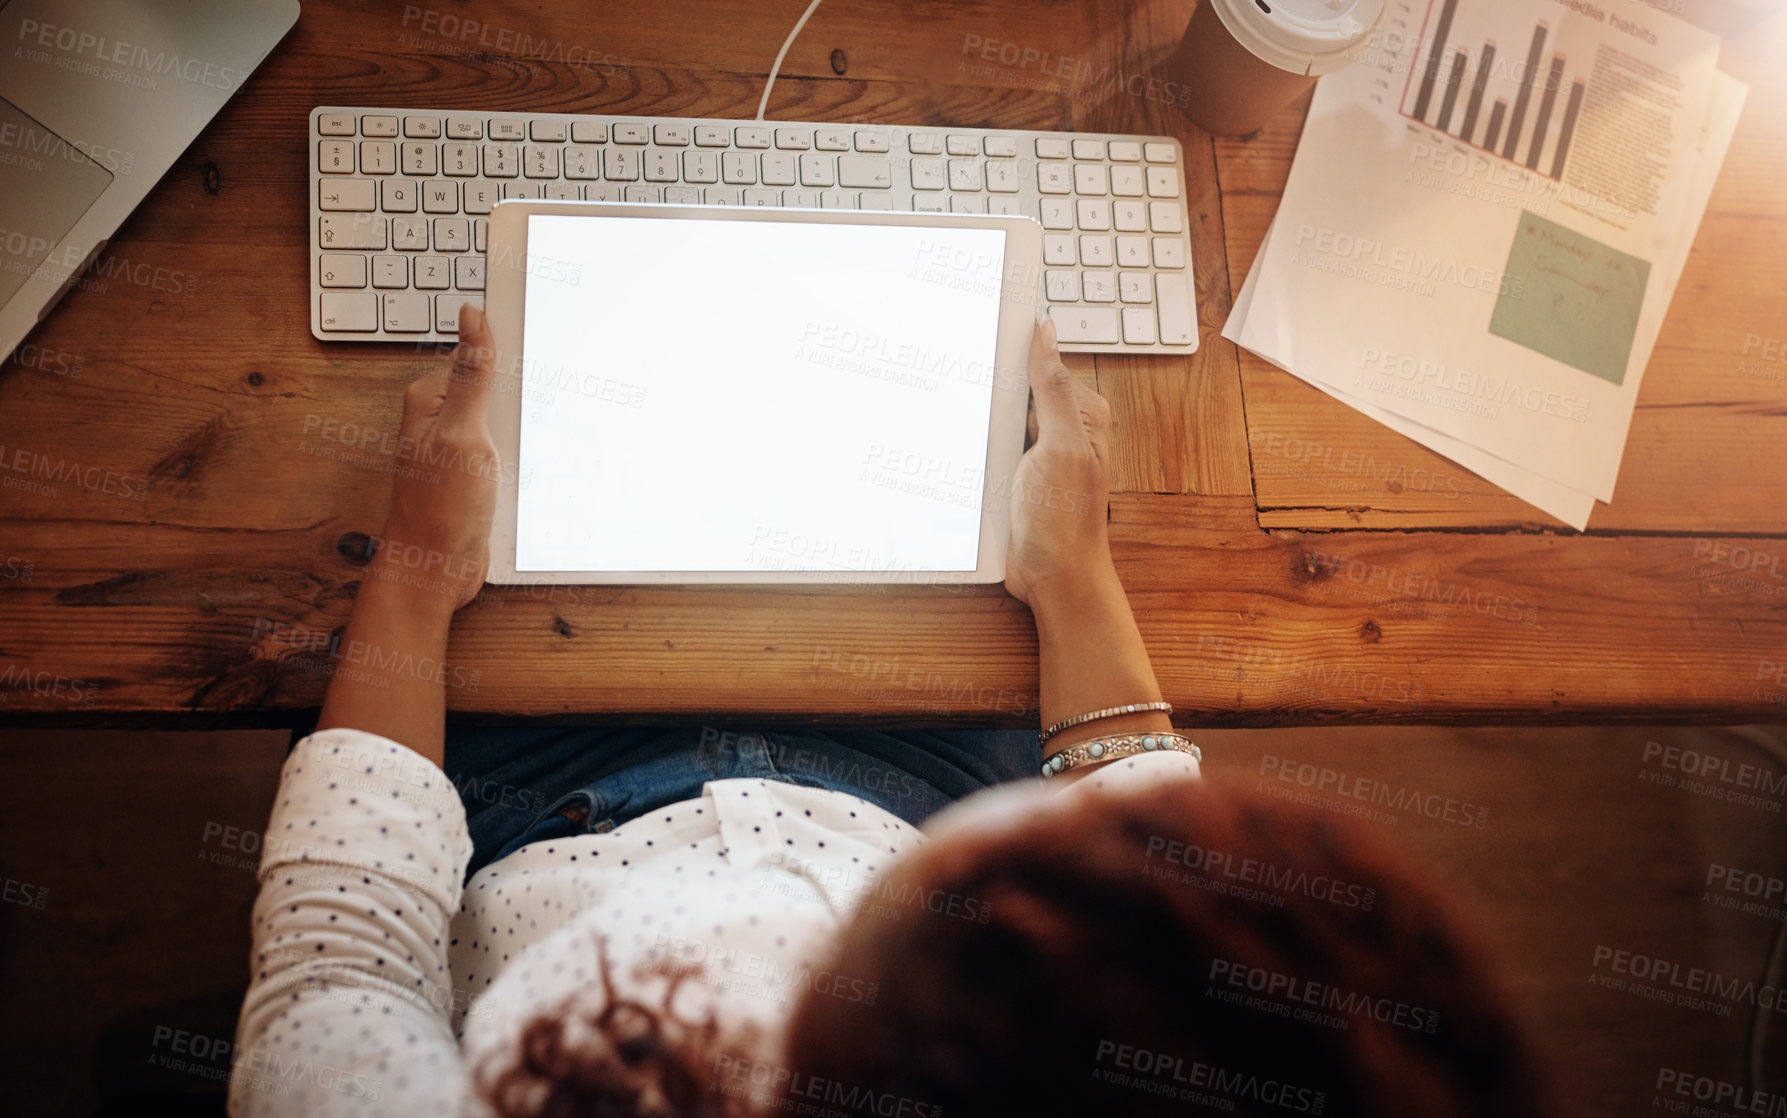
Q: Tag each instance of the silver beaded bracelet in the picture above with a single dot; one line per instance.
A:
(1108, 712)
(1110, 749)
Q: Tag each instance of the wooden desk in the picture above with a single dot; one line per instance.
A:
(1370, 580)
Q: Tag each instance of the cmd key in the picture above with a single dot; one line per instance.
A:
(446, 311)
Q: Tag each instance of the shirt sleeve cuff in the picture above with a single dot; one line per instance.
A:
(359, 800)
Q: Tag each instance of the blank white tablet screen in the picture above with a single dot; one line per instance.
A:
(754, 395)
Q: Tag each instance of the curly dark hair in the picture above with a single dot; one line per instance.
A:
(1139, 953)
(621, 1060)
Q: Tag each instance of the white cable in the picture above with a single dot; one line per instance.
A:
(781, 54)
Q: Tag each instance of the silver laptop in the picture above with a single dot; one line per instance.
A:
(98, 98)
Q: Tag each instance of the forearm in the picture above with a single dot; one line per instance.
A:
(392, 665)
(1092, 658)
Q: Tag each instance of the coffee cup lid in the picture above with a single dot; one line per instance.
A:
(1312, 37)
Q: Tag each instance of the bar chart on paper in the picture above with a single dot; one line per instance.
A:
(1499, 82)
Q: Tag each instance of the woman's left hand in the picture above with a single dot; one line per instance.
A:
(444, 497)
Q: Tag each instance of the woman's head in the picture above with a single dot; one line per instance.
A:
(1148, 952)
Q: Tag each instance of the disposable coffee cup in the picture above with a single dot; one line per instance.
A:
(1243, 60)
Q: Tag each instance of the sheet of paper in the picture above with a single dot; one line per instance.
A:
(1571, 506)
(1484, 243)
(1568, 505)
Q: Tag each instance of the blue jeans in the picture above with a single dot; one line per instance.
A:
(524, 785)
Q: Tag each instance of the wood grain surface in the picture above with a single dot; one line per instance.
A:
(201, 541)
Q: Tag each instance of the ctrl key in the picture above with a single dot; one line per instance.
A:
(446, 311)
(345, 313)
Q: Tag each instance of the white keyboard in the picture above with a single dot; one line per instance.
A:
(399, 201)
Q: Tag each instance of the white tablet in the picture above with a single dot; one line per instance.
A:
(710, 394)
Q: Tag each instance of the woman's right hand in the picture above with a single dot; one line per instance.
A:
(1061, 493)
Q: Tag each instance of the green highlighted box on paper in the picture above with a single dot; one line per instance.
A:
(1571, 298)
